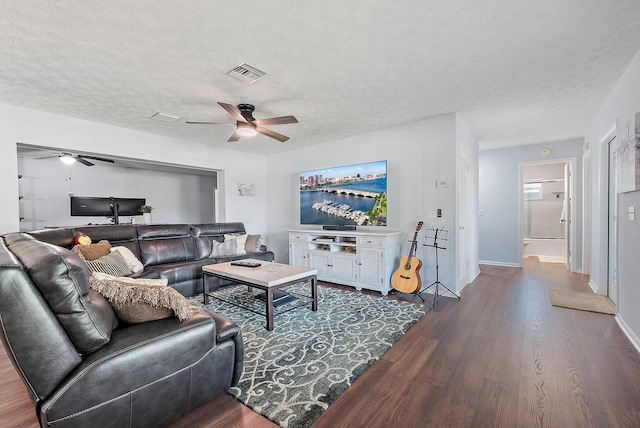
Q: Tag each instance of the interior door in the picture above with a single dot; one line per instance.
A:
(586, 215)
(463, 205)
(567, 205)
(612, 274)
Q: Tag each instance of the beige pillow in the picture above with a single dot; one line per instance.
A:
(136, 300)
(92, 251)
(132, 261)
(253, 244)
(241, 240)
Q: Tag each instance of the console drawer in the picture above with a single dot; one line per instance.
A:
(298, 236)
(371, 241)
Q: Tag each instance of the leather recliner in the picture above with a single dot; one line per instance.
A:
(82, 368)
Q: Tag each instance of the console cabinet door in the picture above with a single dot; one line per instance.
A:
(345, 267)
(321, 260)
(298, 254)
(372, 267)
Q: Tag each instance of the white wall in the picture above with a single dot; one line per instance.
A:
(619, 107)
(417, 154)
(47, 183)
(499, 192)
(50, 130)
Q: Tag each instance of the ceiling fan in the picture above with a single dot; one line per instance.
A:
(247, 125)
(70, 158)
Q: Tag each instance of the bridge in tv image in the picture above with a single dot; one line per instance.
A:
(350, 192)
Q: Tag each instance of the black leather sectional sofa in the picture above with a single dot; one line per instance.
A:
(81, 366)
(173, 251)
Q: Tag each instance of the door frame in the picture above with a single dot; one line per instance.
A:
(612, 232)
(586, 212)
(571, 258)
(600, 259)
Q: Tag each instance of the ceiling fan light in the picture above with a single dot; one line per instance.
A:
(246, 130)
(67, 159)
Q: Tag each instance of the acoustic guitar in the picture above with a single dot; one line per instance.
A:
(406, 278)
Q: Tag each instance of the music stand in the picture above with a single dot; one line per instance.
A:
(437, 238)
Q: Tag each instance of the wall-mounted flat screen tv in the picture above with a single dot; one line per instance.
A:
(345, 195)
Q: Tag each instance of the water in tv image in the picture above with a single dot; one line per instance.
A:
(345, 195)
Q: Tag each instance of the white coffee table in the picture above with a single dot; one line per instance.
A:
(268, 277)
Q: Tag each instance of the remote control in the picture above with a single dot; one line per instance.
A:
(246, 264)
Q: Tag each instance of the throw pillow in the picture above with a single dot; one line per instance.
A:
(92, 251)
(241, 240)
(112, 263)
(131, 281)
(132, 261)
(142, 300)
(227, 248)
(253, 244)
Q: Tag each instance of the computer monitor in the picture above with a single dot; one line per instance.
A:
(88, 206)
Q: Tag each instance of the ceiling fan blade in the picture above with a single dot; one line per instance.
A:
(207, 123)
(83, 161)
(95, 158)
(234, 137)
(272, 134)
(48, 157)
(233, 111)
(276, 120)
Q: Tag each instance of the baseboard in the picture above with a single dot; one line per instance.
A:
(475, 275)
(492, 263)
(633, 338)
(594, 287)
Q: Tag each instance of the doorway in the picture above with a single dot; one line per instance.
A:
(546, 211)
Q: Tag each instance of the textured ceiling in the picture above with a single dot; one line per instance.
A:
(518, 72)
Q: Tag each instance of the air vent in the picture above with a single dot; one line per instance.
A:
(246, 73)
(165, 117)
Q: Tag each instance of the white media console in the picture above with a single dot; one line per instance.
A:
(359, 259)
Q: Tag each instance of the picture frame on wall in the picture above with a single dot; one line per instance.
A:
(246, 189)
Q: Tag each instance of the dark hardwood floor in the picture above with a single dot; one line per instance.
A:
(502, 356)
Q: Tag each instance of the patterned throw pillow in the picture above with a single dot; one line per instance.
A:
(227, 248)
(112, 264)
(142, 300)
(241, 240)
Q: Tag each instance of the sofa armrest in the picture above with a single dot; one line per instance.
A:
(141, 356)
(228, 330)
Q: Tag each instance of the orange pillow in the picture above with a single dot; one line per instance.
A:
(92, 251)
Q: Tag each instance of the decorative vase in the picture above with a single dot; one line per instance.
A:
(146, 218)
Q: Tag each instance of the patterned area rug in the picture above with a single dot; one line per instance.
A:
(292, 373)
